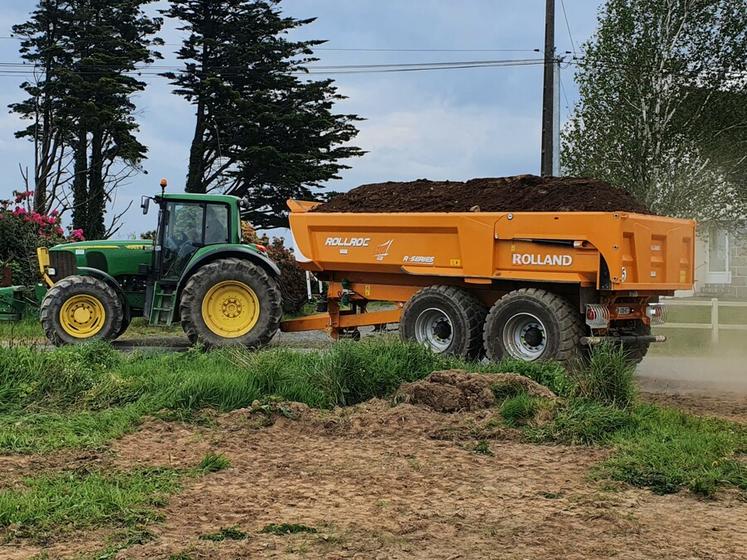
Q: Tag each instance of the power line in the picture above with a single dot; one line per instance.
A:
(12, 68)
(568, 26)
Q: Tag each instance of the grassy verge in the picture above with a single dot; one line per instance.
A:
(87, 395)
(65, 501)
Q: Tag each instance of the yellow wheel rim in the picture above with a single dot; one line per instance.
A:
(82, 316)
(230, 309)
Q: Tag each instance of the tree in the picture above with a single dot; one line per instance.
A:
(261, 131)
(85, 55)
(663, 105)
(49, 131)
(109, 39)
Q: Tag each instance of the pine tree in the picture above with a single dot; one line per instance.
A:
(85, 53)
(262, 131)
(110, 39)
(42, 46)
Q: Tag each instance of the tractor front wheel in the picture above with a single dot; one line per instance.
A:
(81, 308)
(231, 302)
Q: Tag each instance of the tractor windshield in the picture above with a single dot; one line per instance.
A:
(189, 226)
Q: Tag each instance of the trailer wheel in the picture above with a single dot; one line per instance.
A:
(447, 319)
(532, 324)
(80, 308)
(231, 302)
(635, 352)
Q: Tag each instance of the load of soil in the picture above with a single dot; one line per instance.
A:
(522, 193)
(454, 390)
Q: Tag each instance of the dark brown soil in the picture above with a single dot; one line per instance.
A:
(523, 193)
(456, 390)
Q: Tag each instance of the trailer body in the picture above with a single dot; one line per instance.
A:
(609, 265)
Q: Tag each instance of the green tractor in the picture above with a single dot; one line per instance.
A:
(197, 272)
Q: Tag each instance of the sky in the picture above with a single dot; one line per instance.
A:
(443, 124)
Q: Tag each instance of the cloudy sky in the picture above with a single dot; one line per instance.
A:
(444, 124)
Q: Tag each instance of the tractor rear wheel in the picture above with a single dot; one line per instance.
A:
(446, 319)
(81, 308)
(532, 324)
(231, 302)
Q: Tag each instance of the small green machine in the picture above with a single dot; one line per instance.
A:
(197, 272)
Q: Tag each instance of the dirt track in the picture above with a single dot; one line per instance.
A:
(375, 483)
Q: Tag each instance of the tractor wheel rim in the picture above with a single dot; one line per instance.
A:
(433, 328)
(230, 309)
(82, 316)
(525, 337)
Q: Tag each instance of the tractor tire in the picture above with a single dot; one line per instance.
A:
(79, 309)
(532, 324)
(231, 302)
(123, 328)
(446, 319)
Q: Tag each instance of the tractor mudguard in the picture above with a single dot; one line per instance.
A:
(110, 281)
(223, 251)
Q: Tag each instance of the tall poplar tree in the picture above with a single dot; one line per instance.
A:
(663, 105)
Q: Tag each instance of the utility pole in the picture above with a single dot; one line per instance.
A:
(548, 93)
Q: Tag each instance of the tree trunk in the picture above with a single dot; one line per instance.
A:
(96, 189)
(80, 181)
(196, 171)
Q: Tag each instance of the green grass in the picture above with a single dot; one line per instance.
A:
(665, 450)
(87, 395)
(287, 529)
(213, 462)
(25, 329)
(225, 533)
(65, 501)
(518, 409)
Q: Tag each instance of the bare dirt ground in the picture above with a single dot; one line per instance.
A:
(707, 386)
(380, 481)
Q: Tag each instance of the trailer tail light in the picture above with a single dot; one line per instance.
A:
(597, 316)
(655, 312)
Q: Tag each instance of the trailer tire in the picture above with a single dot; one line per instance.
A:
(231, 302)
(532, 324)
(636, 351)
(80, 309)
(447, 319)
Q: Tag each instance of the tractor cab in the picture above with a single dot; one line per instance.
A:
(188, 223)
(189, 226)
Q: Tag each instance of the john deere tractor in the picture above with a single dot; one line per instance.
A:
(197, 271)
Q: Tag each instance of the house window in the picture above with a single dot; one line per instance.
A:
(718, 257)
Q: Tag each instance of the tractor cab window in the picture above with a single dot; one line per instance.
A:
(187, 227)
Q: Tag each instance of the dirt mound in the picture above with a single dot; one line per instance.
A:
(456, 390)
(522, 193)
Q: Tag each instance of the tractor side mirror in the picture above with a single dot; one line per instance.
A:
(145, 204)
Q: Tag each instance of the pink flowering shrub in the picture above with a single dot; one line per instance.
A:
(22, 230)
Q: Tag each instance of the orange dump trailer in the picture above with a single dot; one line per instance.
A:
(530, 285)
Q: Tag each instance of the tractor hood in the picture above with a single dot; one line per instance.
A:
(116, 258)
(127, 244)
